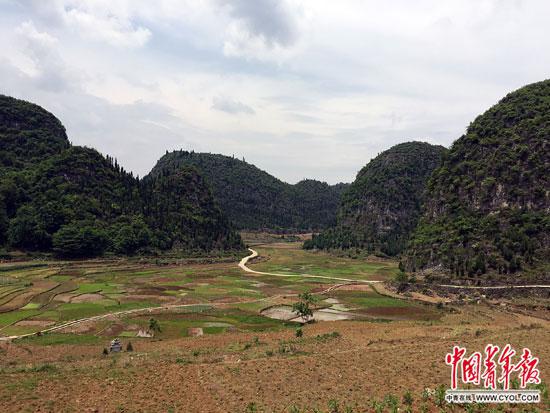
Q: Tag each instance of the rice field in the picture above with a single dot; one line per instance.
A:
(219, 296)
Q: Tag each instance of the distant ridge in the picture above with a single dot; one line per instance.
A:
(254, 199)
(75, 202)
(382, 206)
(488, 205)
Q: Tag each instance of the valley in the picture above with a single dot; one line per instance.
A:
(221, 329)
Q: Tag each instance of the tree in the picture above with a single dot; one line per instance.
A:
(154, 325)
(129, 235)
(3, 223)
(74, 241)
(27, 231)
(302, 307)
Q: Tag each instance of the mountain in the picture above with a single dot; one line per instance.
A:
(487, 207)
(183, 208)
(382, 206)
(28, 133)
(254, 199)
(74, 201)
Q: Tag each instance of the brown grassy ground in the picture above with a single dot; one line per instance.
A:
(227, 372)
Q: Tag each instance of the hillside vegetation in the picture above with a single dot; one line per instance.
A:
(254, 199)
(74, 201)
(382, 206)
(487, 207)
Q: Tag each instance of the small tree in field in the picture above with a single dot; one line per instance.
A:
(154, 325)
(302, 307)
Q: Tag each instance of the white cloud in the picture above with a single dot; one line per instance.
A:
(330, 84)
(231, 106)
(46, 68)
(112, 29)
(110, 22)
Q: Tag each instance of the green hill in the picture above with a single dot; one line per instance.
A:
(76, 202)
(382, 206)
(254, 199)
(28, 133)
(487, 208)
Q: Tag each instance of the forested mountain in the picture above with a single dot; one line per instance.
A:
(28, 134)
(382, 206)
(487, 207)
(76, 202)
(254, 199)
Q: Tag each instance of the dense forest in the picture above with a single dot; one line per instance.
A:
(77, 203)
(487, 207)
(383, 204)
(254, 199)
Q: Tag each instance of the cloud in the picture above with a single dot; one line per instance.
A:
(47, 70)
(231, 106)
(105, 21)
(103, 26)
(302, 88)
(271, 20)
(261, 28)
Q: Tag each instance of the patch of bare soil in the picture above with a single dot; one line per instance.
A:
(35, 323)
(21, 299)
(396, 312)
(233, 299)
(217, 373)
(354, 287)
(113, 330)
(81, 328)
(152, 297)
(87, 298)
(65, 298)
(423, 295)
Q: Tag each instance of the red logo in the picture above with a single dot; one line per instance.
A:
(470, 368)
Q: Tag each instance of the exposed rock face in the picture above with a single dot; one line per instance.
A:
(487, 207)
(382, 205)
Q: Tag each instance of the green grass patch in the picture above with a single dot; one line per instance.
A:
(15, 316)
(53, 339)
(298, 261)
(96, 287)
(31, 306)
(368, 299)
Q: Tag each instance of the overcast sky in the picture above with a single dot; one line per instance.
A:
(302, 89)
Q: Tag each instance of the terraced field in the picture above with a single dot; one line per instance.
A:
(38, 296)
(227, 340)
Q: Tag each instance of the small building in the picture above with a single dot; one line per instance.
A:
(116, 346)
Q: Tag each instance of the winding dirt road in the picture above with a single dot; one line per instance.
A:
(243, 265)
(254, 254)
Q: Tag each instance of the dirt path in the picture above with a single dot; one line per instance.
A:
(254, 254)
(244, 267)
(154, 309)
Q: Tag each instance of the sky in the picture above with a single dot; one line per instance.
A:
(302, 89)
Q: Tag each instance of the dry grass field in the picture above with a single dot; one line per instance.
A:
(388, 356)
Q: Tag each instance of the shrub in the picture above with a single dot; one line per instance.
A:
(77, 241)
(154, 325)
(407, 398)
